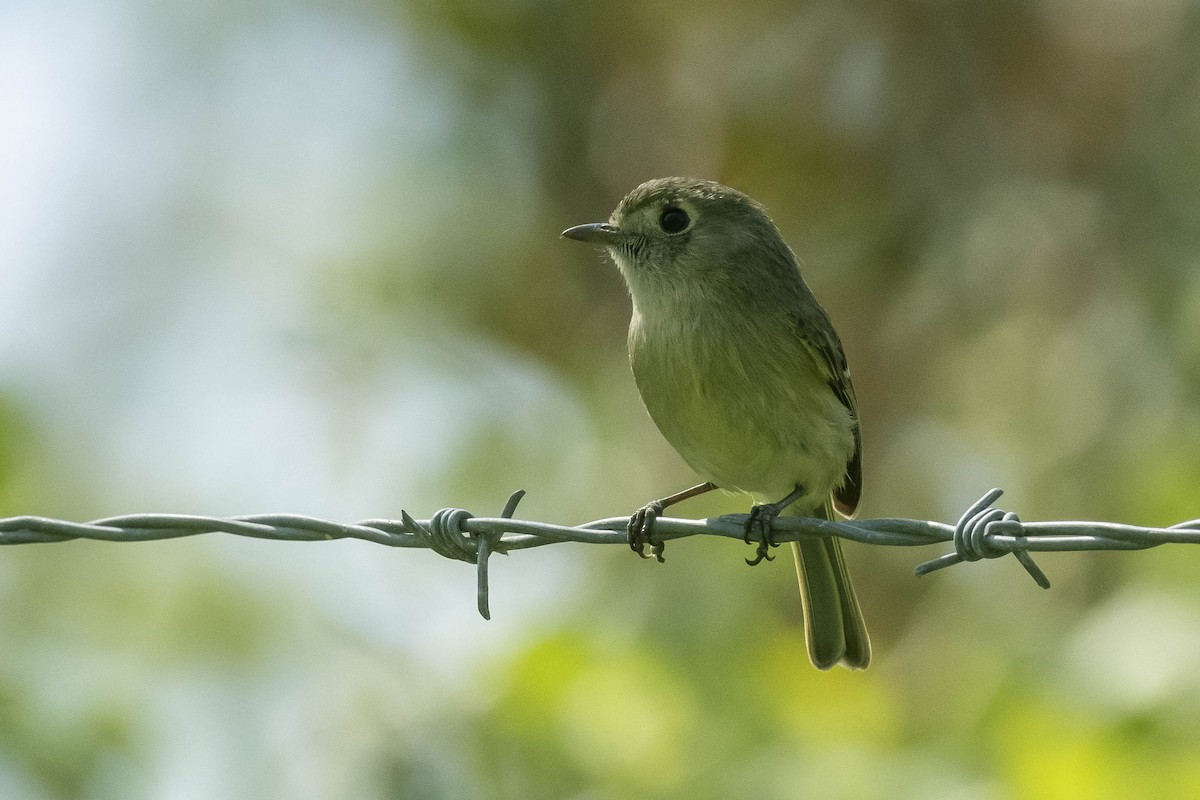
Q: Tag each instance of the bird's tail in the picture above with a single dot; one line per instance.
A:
(833, 623)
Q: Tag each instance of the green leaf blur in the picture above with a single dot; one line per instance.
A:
(305, 258)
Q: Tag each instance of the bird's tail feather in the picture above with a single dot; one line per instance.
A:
(833, 623)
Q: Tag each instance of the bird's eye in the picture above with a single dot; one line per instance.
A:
(673, 219)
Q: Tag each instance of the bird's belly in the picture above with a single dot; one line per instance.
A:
(748, 454)
(747, 418)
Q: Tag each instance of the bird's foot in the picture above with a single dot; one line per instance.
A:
(641, 531)
(758, 528)
(758, 525)
(641, 524)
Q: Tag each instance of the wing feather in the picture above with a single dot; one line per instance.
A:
(818, 335)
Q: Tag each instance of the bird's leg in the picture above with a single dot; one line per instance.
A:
(641, 524)
(758, 524)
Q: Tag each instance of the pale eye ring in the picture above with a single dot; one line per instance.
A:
(673, 219)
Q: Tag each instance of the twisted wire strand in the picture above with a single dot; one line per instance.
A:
(982, 532)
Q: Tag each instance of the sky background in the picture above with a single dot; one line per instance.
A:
(304, 258)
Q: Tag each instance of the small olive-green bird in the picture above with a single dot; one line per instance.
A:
(744, 375)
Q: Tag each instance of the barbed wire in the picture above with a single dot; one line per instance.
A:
(982, 532)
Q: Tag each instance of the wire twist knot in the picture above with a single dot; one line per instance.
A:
(974, 539)
(972, 535)
(447, 537)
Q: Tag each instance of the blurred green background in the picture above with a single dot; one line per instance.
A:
(304, 257)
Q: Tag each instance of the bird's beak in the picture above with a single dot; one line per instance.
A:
(600, 232)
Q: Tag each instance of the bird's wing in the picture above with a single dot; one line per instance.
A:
(821, 340)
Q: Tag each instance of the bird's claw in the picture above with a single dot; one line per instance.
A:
(758, 528)
(641, 531)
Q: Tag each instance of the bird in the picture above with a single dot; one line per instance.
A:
(744, 375)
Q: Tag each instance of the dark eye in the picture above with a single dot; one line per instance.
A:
(673, 219)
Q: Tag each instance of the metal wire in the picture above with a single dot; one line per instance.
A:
(981, 532)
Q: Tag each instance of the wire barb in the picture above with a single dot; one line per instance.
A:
(981, 532)
(973, 540)
(488, 544)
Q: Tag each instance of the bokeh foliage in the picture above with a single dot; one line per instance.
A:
(357, 208)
